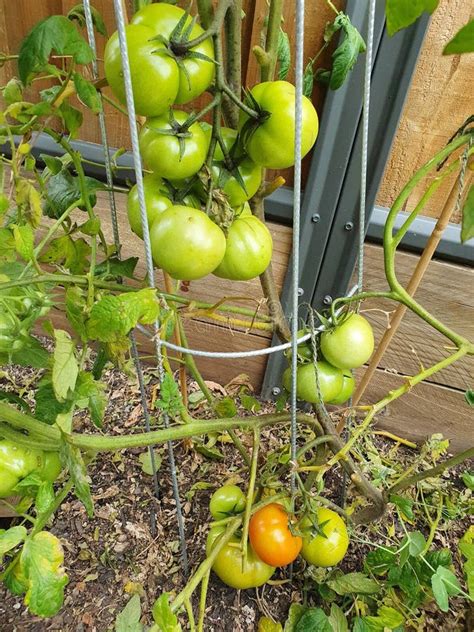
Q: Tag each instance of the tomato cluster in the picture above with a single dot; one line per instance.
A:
(346, 346)
(275, 539)
(168, 70)
(17, 462)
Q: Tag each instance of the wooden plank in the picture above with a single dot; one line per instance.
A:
(445, 293)
(425, 410)
(439, 101)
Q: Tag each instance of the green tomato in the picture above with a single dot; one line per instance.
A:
(15, 464)
(271, 143)
(51, 466)
(330, 382)
(243, 210)
(228, 563)
(328, 549)
(195, 74)
(161, 152)
(156, 202)
(226, 501)
(350, 344)
(248, 250)
(155, 75)
(251, 175)
(348, 386)
(228, 135)
(186, 243)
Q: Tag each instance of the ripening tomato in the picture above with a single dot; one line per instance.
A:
(348, 386)
(271, 537)
(195, 72)
(228, 563)
(226, 501)
(271, 142)
(156, 202)
(186, 243)
(326, 548)
(248, 251)
(162, 152)
(150, 67)
(350, 344)
(330, 382)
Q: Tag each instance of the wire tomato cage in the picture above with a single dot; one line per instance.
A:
(120, 19)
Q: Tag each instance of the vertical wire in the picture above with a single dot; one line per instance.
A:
(116, 235)
(299, 16)
(120, 19)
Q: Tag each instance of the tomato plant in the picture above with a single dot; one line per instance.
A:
(329, 545)
(226, 501)
(228, 565)
(186, 243)
(330, 382)
(270, 142)
(271, 538)
(350, 344)
(170, 149)
(248, 250)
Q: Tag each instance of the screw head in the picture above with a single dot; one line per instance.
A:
(348, 225)
(315, 218)
(327, 300)
(276, 390)
(300, 291)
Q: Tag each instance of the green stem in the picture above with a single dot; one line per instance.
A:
(267, 70)
(434, 471)
(245, 108)
(250, 497)
(32, 443)
(202, 601)
(206, 11)
(44, 518)
(23, 421)
(362, 296)
(393, 395)
(233, 35)
(214, 23)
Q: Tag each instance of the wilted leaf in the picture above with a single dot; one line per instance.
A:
(65, 368)
(354, 583)
(11, 538)
(129, 619)
(146, 462)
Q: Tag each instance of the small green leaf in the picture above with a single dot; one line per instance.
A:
(24, 241)
(129, 619)
(404, 504)
(77, 13)
(12, 92)
(314, 619)
(354, 583)
(360, 625)
(54, 164)
(295, 613)
(63, 189)
(283, 55)
(402, 13)
(170, 398)
(75, 310)
(74, 462)
(380, 560)
(444, 585)
(337, 619)
(467, 230)
(29, 202)
(7, 245)
(47, 406)
(57, 34)
(462, 42)
(87, 93)
(468, 480)
(225, 407)
(469, 396)
(387, 619)
(163, 615)
(210, 452)
(33, 355)
(117, 268)
(65, 368)
(44, 497)
(417, 543)
(250, 403)
(11, 538)
(146, 463)
(90, 393)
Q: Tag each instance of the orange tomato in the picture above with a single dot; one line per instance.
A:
(271, 538)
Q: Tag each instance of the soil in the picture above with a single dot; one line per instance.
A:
(117, 553)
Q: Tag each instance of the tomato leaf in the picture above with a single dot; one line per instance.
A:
(466, 546)
(380, 560)
(353, 583)
(294, 615)
(467, 230)
(402, 13)
(265, 624)
(90, 394)
(360, 625)
(283, 54)
(337, 619)
(163, 615)
(314, 619)
(146, 462)
(416, 543)
(387, 618)
(170, 398)
(87, 93)
(468, 480)
(469, 396)
(11, 538)
(72, 459)
(44, 497)
(29, 202)
(32, 355)
(117, 268)
(129, 619)
(404, 504)
(63, 189)
(12, 92)
(24, 241)
(57, 34)
(65, 368)
(462, 42)
(77, 13)
(225, 407)
(41, 560)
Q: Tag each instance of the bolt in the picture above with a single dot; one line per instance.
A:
(348, 225)
(300, 291)
(327, 300)
(276, 390)
(315, 218)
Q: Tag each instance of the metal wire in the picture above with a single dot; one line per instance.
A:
(120, 20)
(116, 235)
(299, 48)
